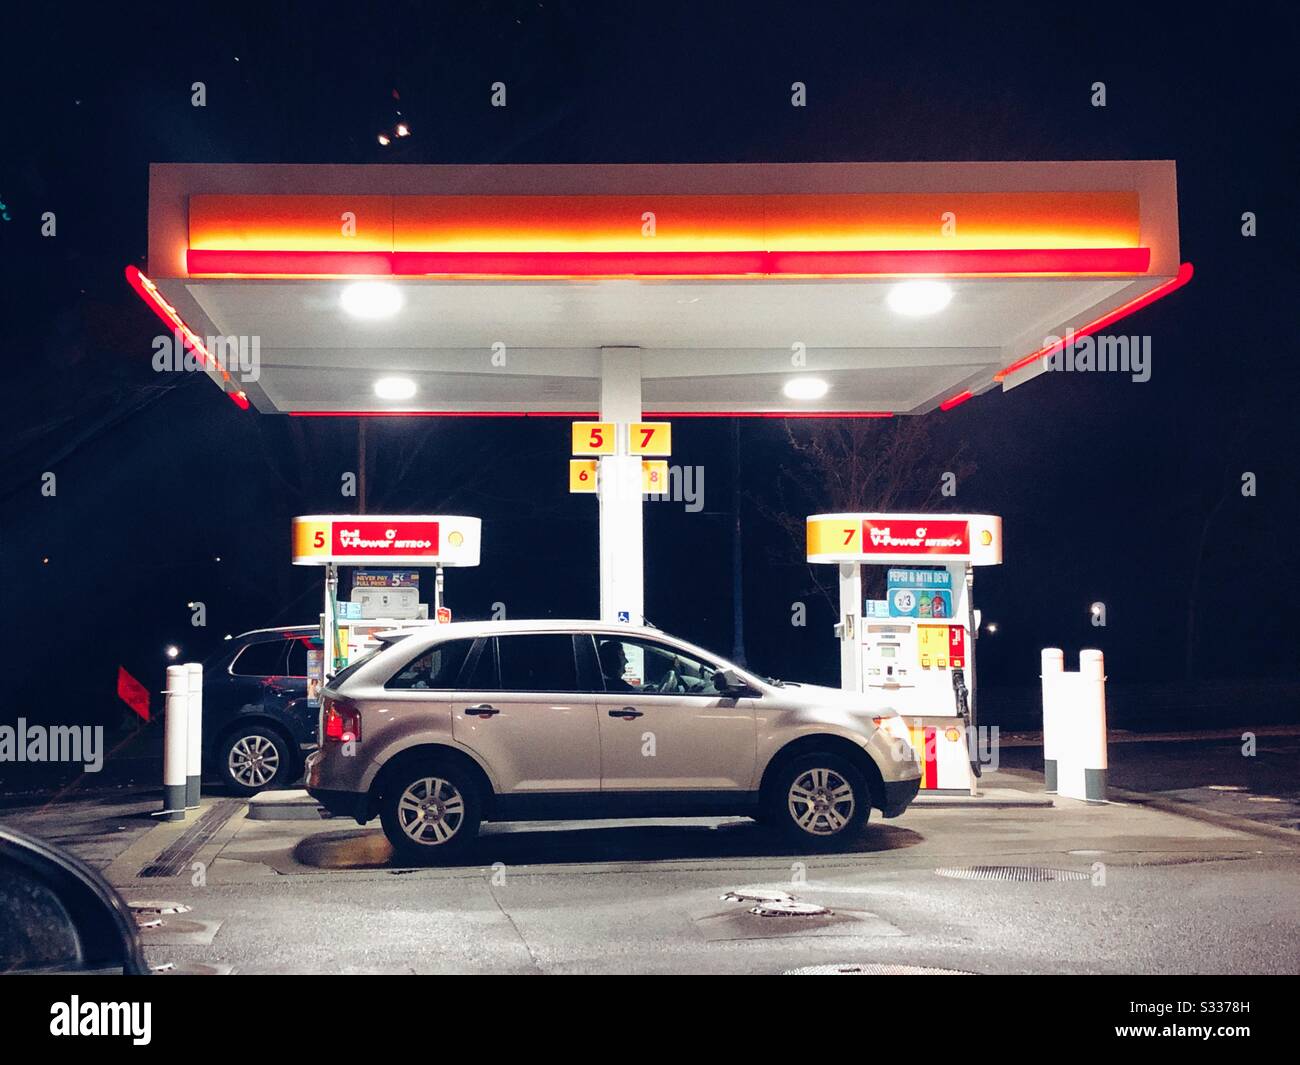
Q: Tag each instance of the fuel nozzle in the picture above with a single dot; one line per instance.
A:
(959, 692)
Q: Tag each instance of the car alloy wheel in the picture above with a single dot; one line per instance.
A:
(253, 761)
(431, 811)
(821, 801)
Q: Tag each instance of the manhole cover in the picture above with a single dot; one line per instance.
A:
(873, 969)
(757, 895)
(789, 908)
(1031, 874)
(148, 907)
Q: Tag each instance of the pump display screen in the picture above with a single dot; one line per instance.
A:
(888, 652)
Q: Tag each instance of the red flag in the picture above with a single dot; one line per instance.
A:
(133, 693)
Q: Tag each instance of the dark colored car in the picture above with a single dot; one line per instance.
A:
(58, 915)
(257, 725)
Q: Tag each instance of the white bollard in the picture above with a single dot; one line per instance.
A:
(194, 742)
(1053, 670)
(1090, 730)
(175, 750)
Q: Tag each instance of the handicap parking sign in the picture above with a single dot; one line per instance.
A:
(624, 615)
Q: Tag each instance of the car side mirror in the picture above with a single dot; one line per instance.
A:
(59, 915)
(727, 682)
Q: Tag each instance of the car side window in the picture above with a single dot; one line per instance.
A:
(632, 665)
(264, 659)
(537, 663)
(435, 669)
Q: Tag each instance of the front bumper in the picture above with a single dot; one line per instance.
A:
(898, 795)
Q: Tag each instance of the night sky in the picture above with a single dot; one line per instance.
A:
(1109, 489)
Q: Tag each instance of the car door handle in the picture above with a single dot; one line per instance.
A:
(482, 710)
(627, 713)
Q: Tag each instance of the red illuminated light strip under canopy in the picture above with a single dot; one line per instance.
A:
(148, 292)
(587, 414)
(1183, 276)
(670, 263)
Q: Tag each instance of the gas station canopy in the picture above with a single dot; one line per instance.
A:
(787, 289)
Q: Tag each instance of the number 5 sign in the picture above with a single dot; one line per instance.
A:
(594, 438)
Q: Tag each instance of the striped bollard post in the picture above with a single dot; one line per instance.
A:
(1053, 671)
(175, 748)
(1090, 732)
(194, 736)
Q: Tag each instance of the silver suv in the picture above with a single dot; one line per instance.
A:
(528, 720)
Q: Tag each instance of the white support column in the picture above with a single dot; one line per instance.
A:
(851, 626)
(622, 576)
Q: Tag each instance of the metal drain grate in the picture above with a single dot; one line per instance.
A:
(873, 968)
(176, 856)
(1025, 874)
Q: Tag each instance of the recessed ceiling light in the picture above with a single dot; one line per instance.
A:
(394, 388)
(917, 298)
(805, 388)
(371, 299)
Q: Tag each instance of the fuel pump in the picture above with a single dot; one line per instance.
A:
(392, 600)
(914, 650)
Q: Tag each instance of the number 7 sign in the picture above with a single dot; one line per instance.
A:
(650, 438)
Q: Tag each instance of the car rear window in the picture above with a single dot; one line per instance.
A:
(265, 659)
(336, 681)
(435, 668)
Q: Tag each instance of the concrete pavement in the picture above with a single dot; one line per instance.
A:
(1160, 893)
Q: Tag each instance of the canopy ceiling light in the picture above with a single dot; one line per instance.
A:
(395, 388)
(805, 388)
(371, 299)
(916, 299)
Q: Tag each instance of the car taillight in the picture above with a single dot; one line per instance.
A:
(342, 722)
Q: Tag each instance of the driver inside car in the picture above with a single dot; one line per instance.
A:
(613, 664)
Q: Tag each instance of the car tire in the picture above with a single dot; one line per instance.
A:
(430, 811)
(818, 801)
(253, 758)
